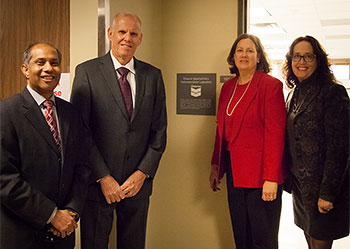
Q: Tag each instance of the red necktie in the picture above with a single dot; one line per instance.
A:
(126, 91)
(51, 121)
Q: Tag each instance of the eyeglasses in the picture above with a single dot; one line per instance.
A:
(306, 57)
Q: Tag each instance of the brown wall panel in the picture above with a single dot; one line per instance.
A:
(26, 21)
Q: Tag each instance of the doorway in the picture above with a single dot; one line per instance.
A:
(277, 23)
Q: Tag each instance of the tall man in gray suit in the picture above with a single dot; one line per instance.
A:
(43, 177)
(122, 100)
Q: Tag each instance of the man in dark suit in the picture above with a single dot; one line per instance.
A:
(43, 175)
(129, 131)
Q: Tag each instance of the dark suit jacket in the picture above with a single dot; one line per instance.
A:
(257, 141)
(34, 178)
(121, 146)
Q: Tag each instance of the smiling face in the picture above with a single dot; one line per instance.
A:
(246, 56)
(303, 69)
(125, 36)
(43, 70)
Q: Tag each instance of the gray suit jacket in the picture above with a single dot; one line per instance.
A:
(34, 177)
(121, 146)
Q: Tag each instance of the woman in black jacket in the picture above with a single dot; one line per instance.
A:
(317, 146)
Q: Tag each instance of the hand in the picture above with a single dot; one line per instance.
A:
(111, 189)
(324, 206)
(54, 231)
(57, 233)
(64, 223)
(133, 184)
(214, 178)
(269, 191)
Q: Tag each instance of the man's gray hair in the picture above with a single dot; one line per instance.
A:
(122, 14)
(27, 54)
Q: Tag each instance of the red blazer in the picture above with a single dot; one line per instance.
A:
(257, 141)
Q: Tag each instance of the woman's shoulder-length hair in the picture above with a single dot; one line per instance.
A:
(323, 65)
(263, 64)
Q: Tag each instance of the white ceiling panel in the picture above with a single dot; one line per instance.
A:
(278, 22)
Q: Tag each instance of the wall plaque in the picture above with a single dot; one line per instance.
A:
(224, 78)
(196, 94)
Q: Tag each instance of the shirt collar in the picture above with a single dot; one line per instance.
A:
(39, 99)
(129, 65)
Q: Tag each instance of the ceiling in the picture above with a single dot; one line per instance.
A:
(278, 22)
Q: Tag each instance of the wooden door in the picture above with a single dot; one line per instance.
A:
(23, 22)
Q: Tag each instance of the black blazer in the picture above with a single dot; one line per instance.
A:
(121, 146)
(317, 147)
(34, 178)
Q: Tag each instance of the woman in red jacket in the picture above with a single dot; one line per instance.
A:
(249, 145)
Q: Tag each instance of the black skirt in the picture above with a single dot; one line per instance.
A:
(330, 226)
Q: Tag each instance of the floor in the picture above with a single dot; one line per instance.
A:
(292, 237)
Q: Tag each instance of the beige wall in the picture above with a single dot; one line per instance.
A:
(180, 36)
(83, 32)
(184, 213)
(83, 41)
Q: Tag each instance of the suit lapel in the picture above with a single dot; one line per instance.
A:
(107, 69)
(223, 102)
(243, 106)
(309, 97)
(289, 98)
(140, 86)
(63, 118)
(32, 112)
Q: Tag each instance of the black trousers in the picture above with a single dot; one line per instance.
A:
(66, 243)
(255, 222)
(97, 220)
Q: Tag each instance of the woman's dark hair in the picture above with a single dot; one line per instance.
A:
(263, 61)
(323, 66)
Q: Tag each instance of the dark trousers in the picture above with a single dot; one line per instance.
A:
(66, 243)
(97, 220)
(255, 222)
